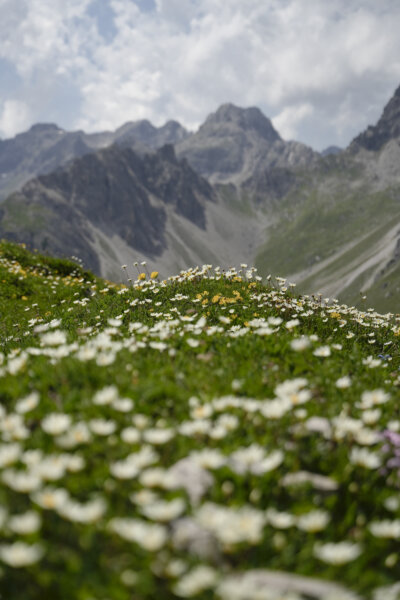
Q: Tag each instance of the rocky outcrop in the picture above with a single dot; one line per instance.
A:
(387, 128)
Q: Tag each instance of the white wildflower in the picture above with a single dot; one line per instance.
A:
(144, 497)
(78, 434)
(51, 498)
(9, 454)
(124, 469)
(200, 578)
(56, 423)
(164, 511)
(386, 529)
(28, 403)
(123, 405)
(89, 512)
(141, 421)
(280, 520)
(318, 425)
(322, 351)
(16, 364)
(232, 525)
(20, 554)
(300, 344)
(158, 436)
(54, 338)
(392, 503)
(315, 520)
(364, 458)
(370, 417)
(371, 362)
(130, 435)
(151, 537)
(292, 323)
(21, 481)
(158, 477)
(203, 411)
(26, 523)
(208, 458)
(107, 395)
(343, 382)
(337, 554)
(372, 398)
(102, 426)
(367, 437)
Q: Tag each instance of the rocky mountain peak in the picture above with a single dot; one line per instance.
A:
(143, 132)
(387, 128)
(247, 119)
(44, 128)
(235, 142)
(174, 132)
(331, 150)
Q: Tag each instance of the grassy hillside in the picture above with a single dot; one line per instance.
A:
(211, 436)
(342, 235)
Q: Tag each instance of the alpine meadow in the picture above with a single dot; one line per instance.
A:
(212, 435)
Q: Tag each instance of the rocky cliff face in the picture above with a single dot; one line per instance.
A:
(387, 128)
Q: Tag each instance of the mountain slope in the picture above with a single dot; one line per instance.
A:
(342, 231)
(115, 192)
(46, 146)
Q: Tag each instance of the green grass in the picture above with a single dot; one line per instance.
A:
(202, 368)
(241, 204)
(323, 224)
(385, 291)
(32, 217)
(345, 263)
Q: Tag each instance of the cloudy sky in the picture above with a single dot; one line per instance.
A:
(321, 70)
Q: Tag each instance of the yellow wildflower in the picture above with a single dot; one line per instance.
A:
(154, 274)
(141, 276)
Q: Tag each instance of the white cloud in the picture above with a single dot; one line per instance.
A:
(14, 118)
(322, 70)
(288, 120)
(45, 34)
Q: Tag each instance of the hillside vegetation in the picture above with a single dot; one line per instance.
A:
(213, 436)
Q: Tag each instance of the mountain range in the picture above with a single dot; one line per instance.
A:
(232, 192)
